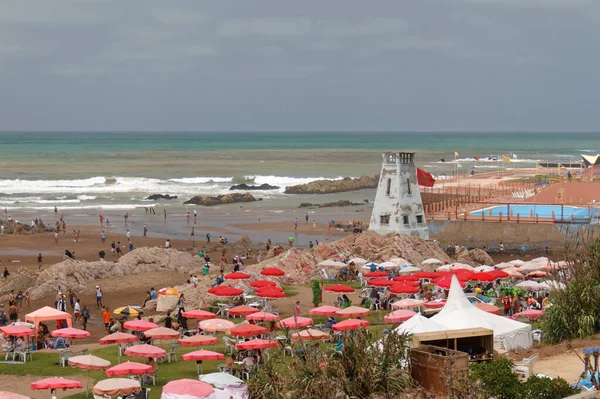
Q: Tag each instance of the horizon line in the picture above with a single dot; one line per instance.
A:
(302, 131)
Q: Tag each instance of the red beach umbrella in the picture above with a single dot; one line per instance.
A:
(161, 333)
(530, 313)
(199, 314)
(445, 282)
(262, 316)
(498, 274)
(70, 333)
(256, 344)
(376, 274)
(129, 368)
(262, 283)
(198, 340)
(408, 278)
(339, 288)
(295, 322)
(324, 311)
(55, 383)
(398, 316)
(380, 282)
(425, 274)
(248, 330)
(400, 288)
(350, 324)
(242, 310)
(269, 288)
(484, 276)
(237, 276)
(224, 291)
(139, 325)
(271, 293)
(272, 271)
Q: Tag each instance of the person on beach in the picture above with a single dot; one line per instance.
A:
(126, 217)
(75, 235)
(101, 254)
(40, 260)
(107, 222)
(85, 316)
(103, 236)
(207, 237)
(168, 243)
(187, 217)
(501, 248)
(195, 216)
(101, 220)
(295, 223)
(76, 311)
(113, 248)
(258, 256)
(195, 281)
(99, 295)
(297, 308)
(2, 230)
(55, 210)
(192, 234)
(118, 249)
(106, 319)
(152, 293)
(71, 296)
(12, 313)
(145, 231)
(128, 234)
(314, 225)
(291, 241)
(268, 244)
(55, 237)
(130, 246)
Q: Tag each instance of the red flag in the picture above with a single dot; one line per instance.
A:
(425, 178)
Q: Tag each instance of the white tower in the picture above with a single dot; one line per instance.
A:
(398, 207)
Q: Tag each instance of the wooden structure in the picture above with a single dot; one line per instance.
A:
(477, 342)
(431, 366)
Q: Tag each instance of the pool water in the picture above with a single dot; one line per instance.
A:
(542, 211)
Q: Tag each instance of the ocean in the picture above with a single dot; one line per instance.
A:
(118, 170)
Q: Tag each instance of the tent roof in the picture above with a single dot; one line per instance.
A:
(419, 324)
(591, 159)
(47, 313)
(459, 313)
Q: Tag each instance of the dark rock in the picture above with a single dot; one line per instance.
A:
(161, 196)
(334, 186)
(220, 199)
(246, 187)
(329, 204)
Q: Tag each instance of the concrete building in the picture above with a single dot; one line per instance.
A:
(398, 207)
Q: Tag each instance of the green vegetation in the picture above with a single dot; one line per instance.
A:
(495, 380)
(574, 310)
(316, 292)
(359, 371)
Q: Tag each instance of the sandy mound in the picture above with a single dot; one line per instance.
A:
(76, 274)
(474, 257)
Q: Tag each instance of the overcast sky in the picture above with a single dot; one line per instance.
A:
(300, 65)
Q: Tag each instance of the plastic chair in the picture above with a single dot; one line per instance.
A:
(152, 376)
(229, 344)
(172, 353)
(525, 368)
(24, 354)
(64, 358)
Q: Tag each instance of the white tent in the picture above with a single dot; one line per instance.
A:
(358, 261)
(459, 313)
(432, 261)
(419, 324)
(409, 269)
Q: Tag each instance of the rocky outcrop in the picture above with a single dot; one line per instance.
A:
(246, 187)
(221, 199)
(474, 257)
(13, 227)
(330, 204)
(161, 196)
(77, 274)
(334, 186)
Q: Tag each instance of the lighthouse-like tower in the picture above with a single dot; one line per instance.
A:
(398, 207)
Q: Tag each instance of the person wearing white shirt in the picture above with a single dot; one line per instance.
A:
(168, 244)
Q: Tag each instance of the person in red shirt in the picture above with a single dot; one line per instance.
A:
(506, 303)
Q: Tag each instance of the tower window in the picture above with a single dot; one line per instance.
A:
(389, 187)
(405, 219)
(419, 219)
(408, 186)
(384, 219)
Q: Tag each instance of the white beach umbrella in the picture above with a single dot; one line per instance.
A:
(443, 268)
(368, 266)
(432, 261)
(552, 285)
(516, 262)
(457, 266)
(484, 269)
(388, 265)
(409, 269)
(407, 303)
(331, 263)
(543, 260)
(358, 261)
(530, 267)
(504, 265)
(399, 261)
(529, 285)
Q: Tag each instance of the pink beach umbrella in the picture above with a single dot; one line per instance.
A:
(295, 322)
(399, 316)
(262, 316)
(247, 330)
(56, 383)
(407, 303)
(532, 314)
(17, 331)
(161, 333)
(118, 338)
(129, 368)
(187, 388)
(242, 310)
(70, 333)
(256, 344)
(350, 324)
(116, 386)
(201, 355)
(145, 350)
(11, 395)
(324, 311)
(199, 314)
(198, 340)
(216, 325)
(139, 325)
(353, 311)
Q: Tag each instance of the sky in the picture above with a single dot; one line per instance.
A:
(427, 65)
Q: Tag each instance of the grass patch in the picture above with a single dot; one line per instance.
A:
(290, 290)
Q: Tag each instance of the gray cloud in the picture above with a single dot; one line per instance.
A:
(269, 65)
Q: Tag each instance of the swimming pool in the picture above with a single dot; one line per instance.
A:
(564, 212)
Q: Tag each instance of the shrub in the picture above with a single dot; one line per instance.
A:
(316, 292)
